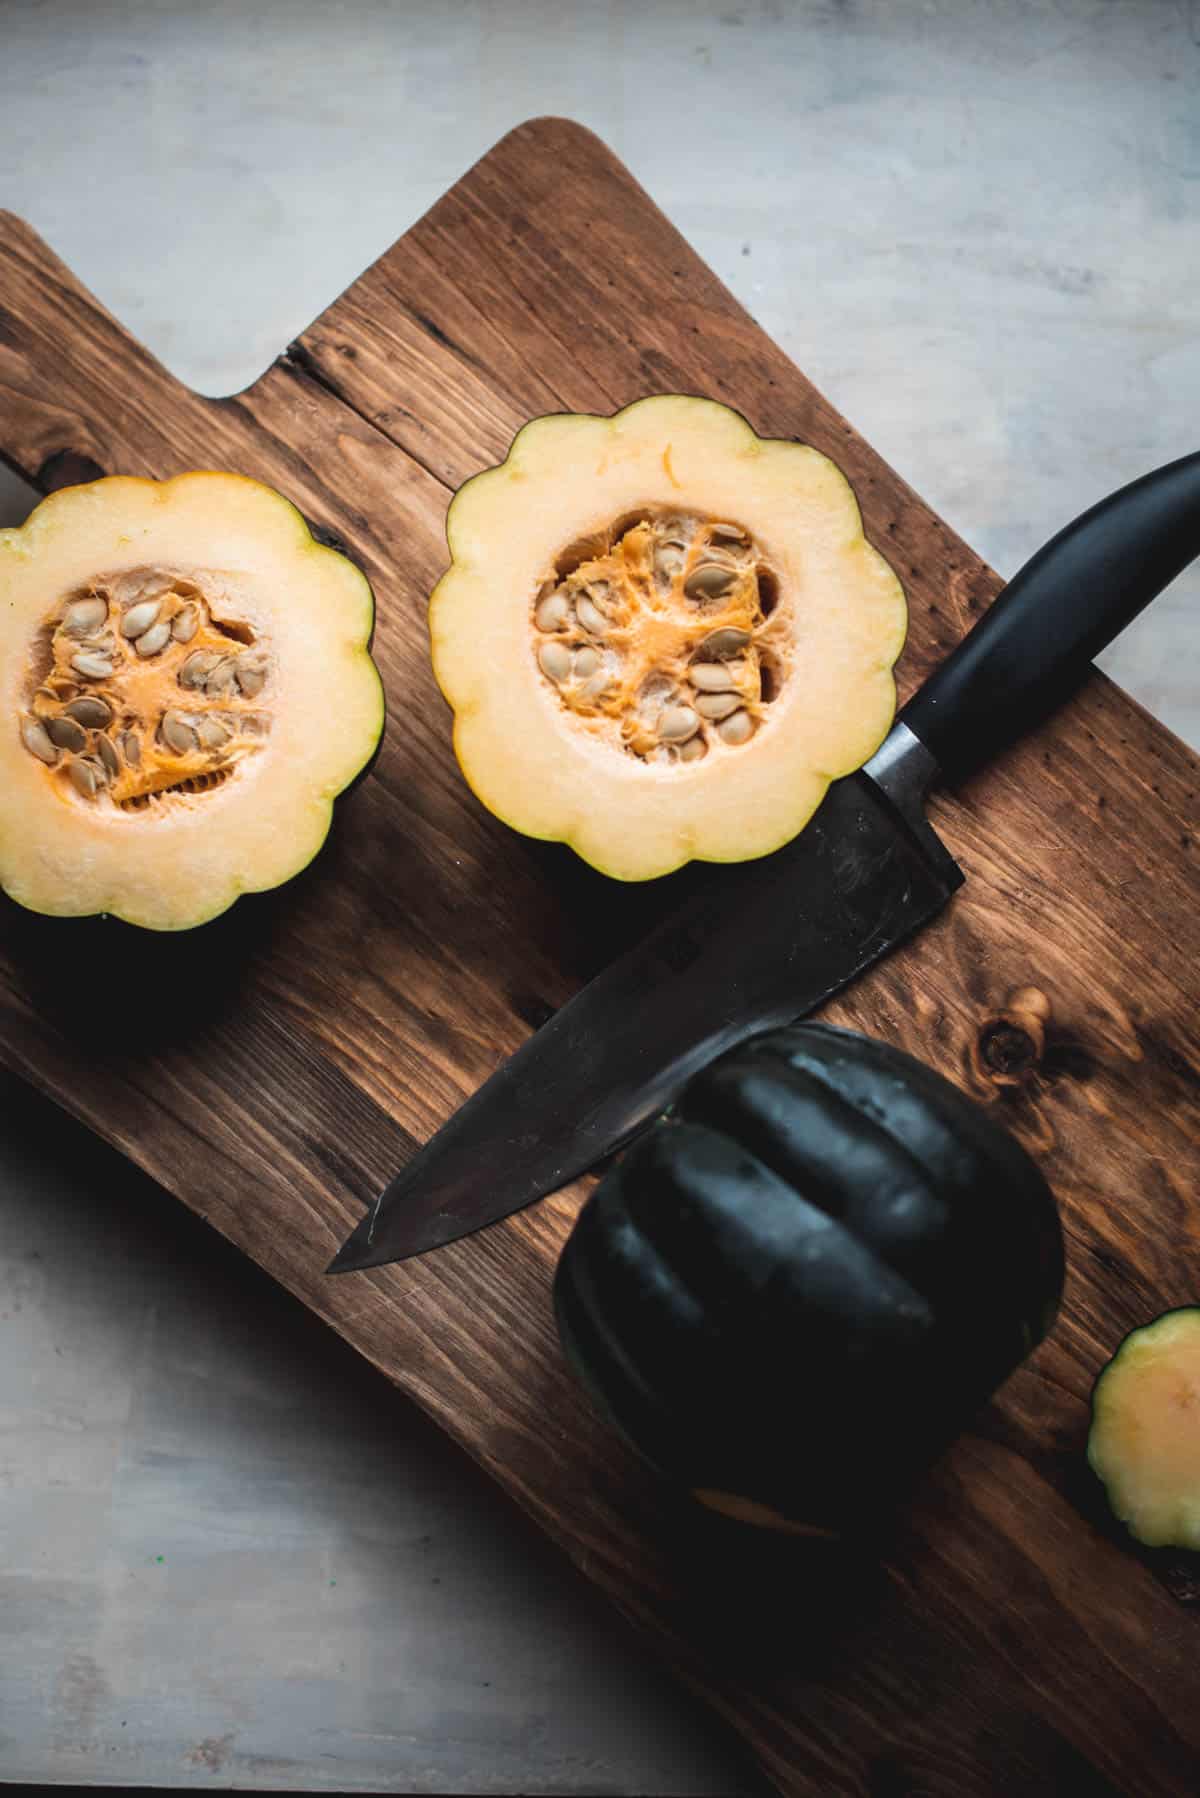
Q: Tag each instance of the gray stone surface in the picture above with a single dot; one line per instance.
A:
(976, 227)
(230, 1548)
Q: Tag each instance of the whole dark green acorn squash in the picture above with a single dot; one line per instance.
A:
(794, 1290)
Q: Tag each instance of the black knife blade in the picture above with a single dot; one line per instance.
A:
(767, 942)
(760, 945)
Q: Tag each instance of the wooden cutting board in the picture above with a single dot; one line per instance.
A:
(275, 1067)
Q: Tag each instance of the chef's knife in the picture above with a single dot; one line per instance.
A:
(767, 942)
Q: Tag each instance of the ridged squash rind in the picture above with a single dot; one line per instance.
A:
(313, 606)
(566, 476)
(793, 1291)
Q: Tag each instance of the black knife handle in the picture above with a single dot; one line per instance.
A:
(1036, 642)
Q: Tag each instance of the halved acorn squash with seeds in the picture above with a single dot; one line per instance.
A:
(662, 636)
(188, 685)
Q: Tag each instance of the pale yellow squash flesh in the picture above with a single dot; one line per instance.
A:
(183, 862)
(566, 477)
(1144, 1442)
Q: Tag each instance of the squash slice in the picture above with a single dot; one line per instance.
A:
(1144, 1442)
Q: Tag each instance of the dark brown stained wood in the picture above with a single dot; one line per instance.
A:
(1006, 1637)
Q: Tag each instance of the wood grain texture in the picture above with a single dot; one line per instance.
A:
(1002, 1636)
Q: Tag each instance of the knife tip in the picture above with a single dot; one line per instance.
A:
(353, 1253)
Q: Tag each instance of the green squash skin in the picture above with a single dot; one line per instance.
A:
(801, 1285)
(335, 545)
(837, 1113)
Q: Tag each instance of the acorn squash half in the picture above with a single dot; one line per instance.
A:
(185, 686)
(662, 636)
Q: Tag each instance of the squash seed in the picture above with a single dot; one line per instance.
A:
(66, 733)
(737, 728)
(602, 597)
(552, 611)
(198, 667)
(554, 660)
(586, 662)
(139, 618)
(109, 756)
(711, 677)
(669, 560)
(712, 580)
(677, 724)
(37, 741)
(185, 623)
(84, 615)
(590, 616)
(177, 733)
(718, 646)
(694, 750)
(156, 638)
(87, 776)
(90, 711)
(131, 748)
(251, 675)
(91, 663)
(212, 731)
(717, 705)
